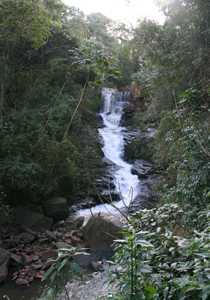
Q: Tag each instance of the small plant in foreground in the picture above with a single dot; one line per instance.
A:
(65, 258)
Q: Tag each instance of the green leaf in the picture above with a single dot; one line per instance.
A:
(143, 243)
(53, 275)
(205, 293)
(62, 264)
(165, 292)
(203, 254)
(49, 271)
(151, 289)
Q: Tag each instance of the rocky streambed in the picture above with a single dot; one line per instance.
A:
(29, 238)
(24, 251)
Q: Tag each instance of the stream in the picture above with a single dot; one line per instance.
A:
(113, 135)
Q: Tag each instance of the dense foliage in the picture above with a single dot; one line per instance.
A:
(51, 62)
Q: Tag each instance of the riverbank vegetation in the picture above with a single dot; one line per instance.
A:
(53, 62)
(167, 253)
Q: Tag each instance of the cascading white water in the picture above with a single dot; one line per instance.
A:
(113, 136)
(127, 184)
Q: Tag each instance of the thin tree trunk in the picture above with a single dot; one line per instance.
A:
(1, 103)
(80, 100)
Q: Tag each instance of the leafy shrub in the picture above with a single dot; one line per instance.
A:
(153, 263)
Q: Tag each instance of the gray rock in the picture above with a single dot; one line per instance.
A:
(36, 266)
(76, 224)
(60, 245)
(129, 108)
(96, 265)
(4, 261)
(16, 258)
(49, 254)
(82, 259)
(141, 168)
(27, 237)
(34, 221)
(50, 235)
(26, 260)
(21, 281)
(99, 233)
(56, 208)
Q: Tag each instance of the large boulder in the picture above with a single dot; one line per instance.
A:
(129, 108)
(57, 209)
(99, 233)
(31, 220)
(141, 168)
(4, 261)
(74, 225)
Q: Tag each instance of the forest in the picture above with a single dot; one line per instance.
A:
(54, 60)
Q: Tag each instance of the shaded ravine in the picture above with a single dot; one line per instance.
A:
(127, 185)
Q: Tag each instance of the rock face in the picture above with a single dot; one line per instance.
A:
(74, 225)
(141, 168)
(31, 220)
(95, 236)
(129, 108)
(4, 261)
(83, 259)
(57, 209)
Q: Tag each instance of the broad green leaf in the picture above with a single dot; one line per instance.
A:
(151, 289)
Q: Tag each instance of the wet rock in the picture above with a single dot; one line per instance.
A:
(36, 266)
(100, 265)
(39, 275)
(21, 281)
(96, 265)
(43, 240)
(59, 224)
(50, 235)
(14, 277)
(76, 240)
(141, 168)
(68, 241)
(129, 109)
(34, 221)
(56, 208)
(27, 237)
(7, 225)
(29, 231)
(60, 245)
(35, 249)
(111, 195)
(26, 260)
(15, 259)
(76, 224)
(82, 259)
(67, 235)
(4, 261)
(49, 254)
(95, 233)
(30, 279)
(10, 243)
(34, 257)
(73, 208)
(35, 208)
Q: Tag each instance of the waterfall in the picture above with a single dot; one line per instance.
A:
(112, 133)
